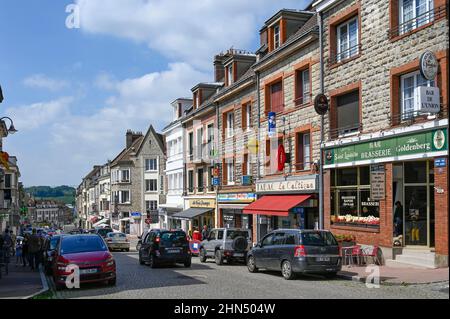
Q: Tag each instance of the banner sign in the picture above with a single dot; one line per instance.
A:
(237, 198)
(419, 143)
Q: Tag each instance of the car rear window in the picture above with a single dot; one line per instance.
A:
(82, 244)
(172, 237)
(104, 231)
(318, 239)
(117, 235)
(232, 234)
(54, 242)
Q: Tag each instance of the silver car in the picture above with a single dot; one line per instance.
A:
(117, 241)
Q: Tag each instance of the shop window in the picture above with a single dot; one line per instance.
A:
(347, 177)
(415, 172)
(408, 84)
(364, 175)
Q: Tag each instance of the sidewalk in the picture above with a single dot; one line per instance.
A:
(20, 283)
(397, 275)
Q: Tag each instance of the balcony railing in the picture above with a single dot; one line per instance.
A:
(336, 57)
(408, 118)
(303, 99)
(420, 20)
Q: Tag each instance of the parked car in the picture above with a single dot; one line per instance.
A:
(226, 244)
(103, 231)
(296, 251)
(165, 247)
(92, 256)
(50, 245)
(118, 241)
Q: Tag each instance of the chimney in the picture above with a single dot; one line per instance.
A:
(131, 137)
(219, 70)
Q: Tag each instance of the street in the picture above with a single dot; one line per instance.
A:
(234, 282)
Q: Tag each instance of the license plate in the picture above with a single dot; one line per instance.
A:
(173, 251)
(323, 259)
(238, 255)
(88, 271)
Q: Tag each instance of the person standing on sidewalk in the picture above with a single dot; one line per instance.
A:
(25, 256)
(34, 247)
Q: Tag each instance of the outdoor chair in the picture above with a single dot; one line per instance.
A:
(371, 252)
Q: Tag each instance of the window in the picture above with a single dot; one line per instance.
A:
(414, 13)
(230, 173)
(276, 97)
(199, 143)
(276, 36)
(151, 185)
(151, 164)
(196, 99)
(124, 197)
(350, 193)
(268, 240)
(246, 116)
(211, 178)
(347, 39)
(191, 181)
(210, 132)
(409, 83)
(151, 205)
(230, 124)
(125, 176)
(200, 183)
(303, 159)
(348, 112)
(230, 75)
(246, 166)
(161, 183)
(8, 180)
(272, 146)
(302, 90)
(191, 145)
(179, 110)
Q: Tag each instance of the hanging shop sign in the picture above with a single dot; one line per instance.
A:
(236, 198)
(321, 104)
(428, 65)
(307, 184)
(202, 203)
(384, 150)
(281, 157)
(427, 99)
(377, 183)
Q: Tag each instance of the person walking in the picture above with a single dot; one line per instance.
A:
(398, 219)
(205, 232)
(34, 247)
(25, 256)
(19, 253)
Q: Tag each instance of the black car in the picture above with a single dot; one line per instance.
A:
(165, 247)
(50, 245)
(296, 251)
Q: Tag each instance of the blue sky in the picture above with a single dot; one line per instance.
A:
(73, 93)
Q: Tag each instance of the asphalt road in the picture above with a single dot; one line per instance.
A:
(207, 280)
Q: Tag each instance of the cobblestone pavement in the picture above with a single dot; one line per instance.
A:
(234, 281)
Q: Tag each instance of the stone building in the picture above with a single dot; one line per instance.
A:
(386, 131)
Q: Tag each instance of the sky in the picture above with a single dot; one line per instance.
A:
(73, 92)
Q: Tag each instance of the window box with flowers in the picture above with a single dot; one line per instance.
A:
(345, 240)
(350, 220)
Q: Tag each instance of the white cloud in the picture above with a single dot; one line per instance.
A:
(188, 31)
(41, 81)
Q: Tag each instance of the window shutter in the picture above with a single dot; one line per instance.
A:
(224, 172)
(276, 97)
(299, 88)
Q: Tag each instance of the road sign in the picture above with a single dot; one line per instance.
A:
(216, 181)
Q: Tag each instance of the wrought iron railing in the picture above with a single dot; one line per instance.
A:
(408, 118)
(303, 99)
(336, 57)
(345, 130)
(420, 20)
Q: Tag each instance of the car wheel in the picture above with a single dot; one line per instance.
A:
(152, 261)
(188, 263)
(286, 270)
(112, 282)
(218, 257)
(202, 255)
(251, 264)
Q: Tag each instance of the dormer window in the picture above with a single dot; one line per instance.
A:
(230, 74)
(276, 36)
(179, 110)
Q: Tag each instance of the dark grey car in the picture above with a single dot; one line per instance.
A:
(296, 251)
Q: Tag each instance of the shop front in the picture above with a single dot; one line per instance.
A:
(285, 203)
(391, 191)
(199, 212)
(231, 208)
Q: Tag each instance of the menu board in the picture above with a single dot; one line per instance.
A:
(377, 182)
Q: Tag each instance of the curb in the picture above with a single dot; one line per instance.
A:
(45, 287)
(387, 283)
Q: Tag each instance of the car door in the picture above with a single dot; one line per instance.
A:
(210, 242)
(262, 253)
(146, 246)
(275, 251)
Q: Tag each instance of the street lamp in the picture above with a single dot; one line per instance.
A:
(11, 129)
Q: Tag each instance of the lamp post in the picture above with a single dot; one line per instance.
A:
(11, 129)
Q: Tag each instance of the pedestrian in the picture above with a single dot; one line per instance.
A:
(14, 242)
(398, 219)
(34, 247)
(25, 256)
(6, 246)
(205, 232)
(19, 253)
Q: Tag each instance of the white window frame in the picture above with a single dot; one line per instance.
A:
(348, 52)
(121, 197)
(249, 166)
(414, 24)
(248, 112)
(199, 142)
(230, 173)
(415, 74)
(276, 36)
(230, 74)
(150, 184)
(150, 167)
(306, 151)
(193, 182)
(306, 85)
(230, 124)
(149, 206)
(121, 176)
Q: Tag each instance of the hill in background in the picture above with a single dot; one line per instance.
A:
(65, 194)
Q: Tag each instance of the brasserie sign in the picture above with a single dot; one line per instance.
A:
(419, 143)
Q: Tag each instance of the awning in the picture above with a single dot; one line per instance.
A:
(191, 213)
(275, 205)
(103, 221)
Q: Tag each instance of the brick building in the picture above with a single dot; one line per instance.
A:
(382, 146)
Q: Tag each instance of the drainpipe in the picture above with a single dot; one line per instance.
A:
(258, 174)
(216, 217)
(321, 190)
